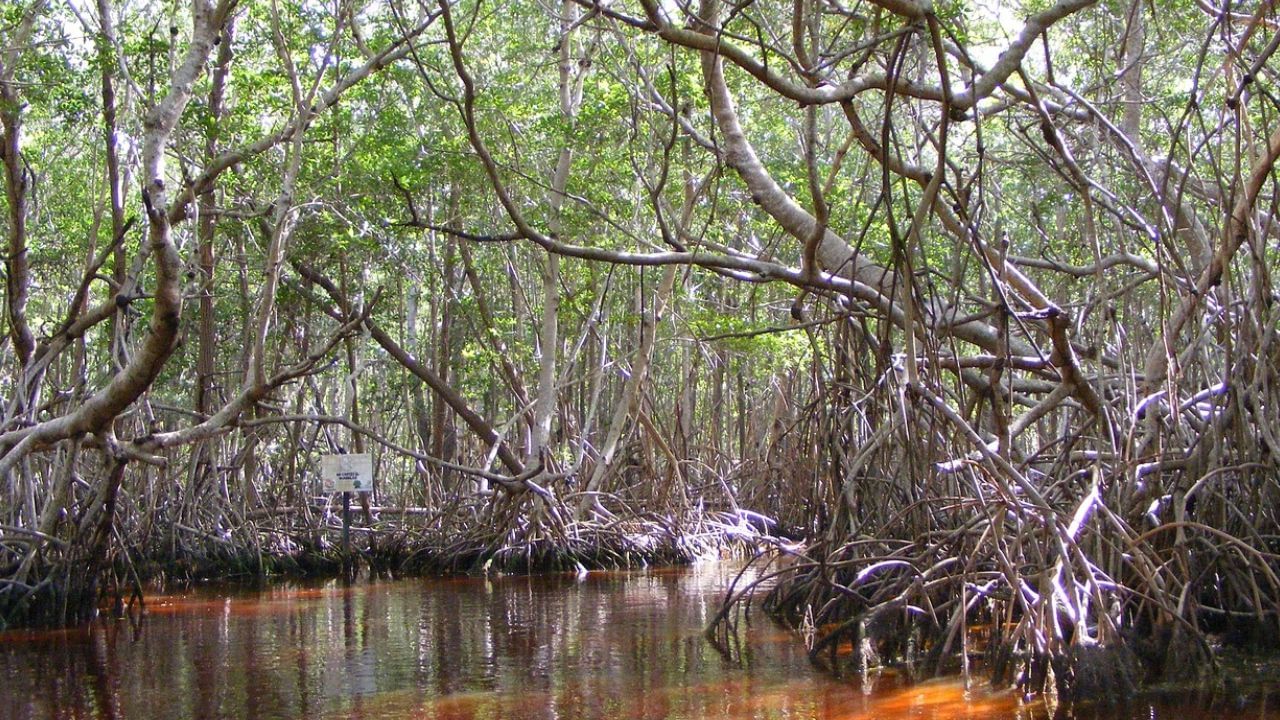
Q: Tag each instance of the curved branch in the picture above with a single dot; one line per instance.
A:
(126, 386)
(478, 425)
(1239, 224)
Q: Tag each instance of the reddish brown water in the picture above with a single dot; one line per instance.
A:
(612, 645)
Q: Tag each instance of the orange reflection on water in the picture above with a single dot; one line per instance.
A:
(948, 698)
(247, 602)
(938, 700)
(21, 637)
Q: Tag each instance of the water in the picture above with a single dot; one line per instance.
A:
(612, 645)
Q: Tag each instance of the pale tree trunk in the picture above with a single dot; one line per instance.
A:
(687, 405)
(206, 340)
(440, 441)
(352, 391)
(417, 398)
(629, 403)
(279, 230)
(743, 413)
(548, 342)
(206, 229)
(571, 77)
(480, 297)
(520, 309)
(1131, 81)
(720, 359)
(255, 367)
(117, 178)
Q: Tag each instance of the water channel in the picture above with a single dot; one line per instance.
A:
(609, 645)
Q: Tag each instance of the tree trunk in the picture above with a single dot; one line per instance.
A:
(632, 389)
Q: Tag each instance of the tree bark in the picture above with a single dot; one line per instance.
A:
(17, 187)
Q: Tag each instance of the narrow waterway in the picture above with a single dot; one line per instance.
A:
(610, 645)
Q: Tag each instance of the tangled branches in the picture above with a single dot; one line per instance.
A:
(1093, 577)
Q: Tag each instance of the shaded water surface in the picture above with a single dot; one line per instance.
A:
(612, 645)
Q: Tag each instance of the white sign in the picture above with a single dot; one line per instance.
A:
(347, 473)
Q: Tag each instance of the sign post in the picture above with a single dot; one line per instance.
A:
(347, 474)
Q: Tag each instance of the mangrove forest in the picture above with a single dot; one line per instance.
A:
(952, 322)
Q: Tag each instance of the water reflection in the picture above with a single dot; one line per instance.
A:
(612, 645)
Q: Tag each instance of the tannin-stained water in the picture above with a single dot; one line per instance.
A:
(610, 645)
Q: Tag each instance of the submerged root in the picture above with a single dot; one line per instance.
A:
(1095, 672)
(1174, 653)
(61, 597)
